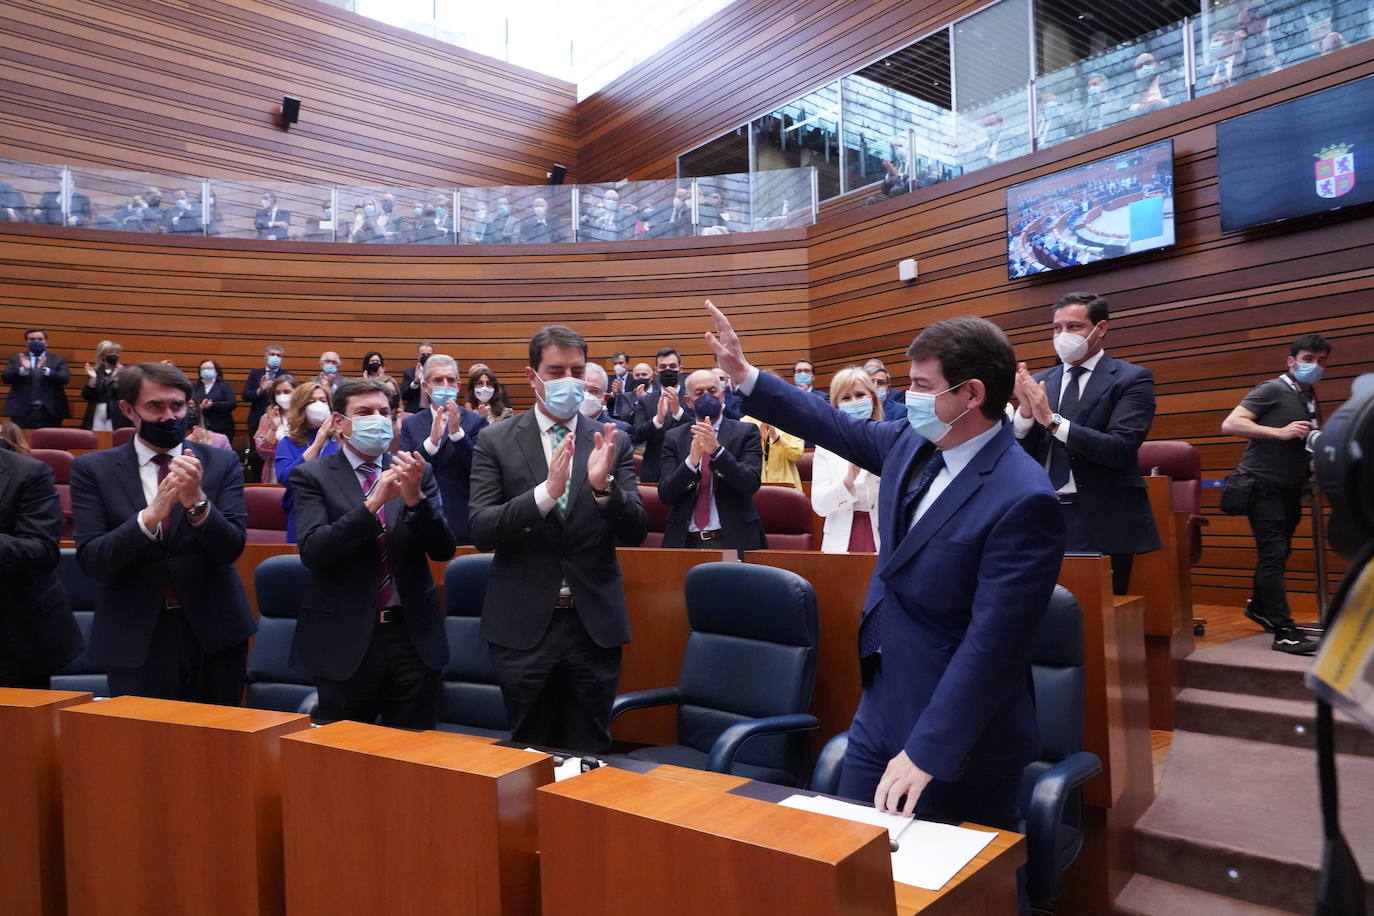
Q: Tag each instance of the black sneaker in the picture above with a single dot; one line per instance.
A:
(1253, 615)
(1293, 641)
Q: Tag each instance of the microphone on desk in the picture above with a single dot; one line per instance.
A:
(896, 841)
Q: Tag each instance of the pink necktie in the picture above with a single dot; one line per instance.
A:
(702, 514)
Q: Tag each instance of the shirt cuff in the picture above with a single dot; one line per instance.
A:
(658, 424)
(677, 415)
(454, 437)
(430, 448)
(1062, 432)
(694, 468)
(746, 387)
(542, 500)
(1021, 426)
(142, 526)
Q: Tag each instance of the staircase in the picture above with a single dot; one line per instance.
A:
(1235, 829)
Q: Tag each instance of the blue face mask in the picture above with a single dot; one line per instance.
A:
(920, 413)
(370, 210)
(804, 379)
(371, 434)
(1307, 373)
(563, 397)
(330, 368)
(207, 375)
(440, 395)
(860, 410)
(707, 407)
(274, 362)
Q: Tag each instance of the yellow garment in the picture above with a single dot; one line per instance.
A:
(780, 456)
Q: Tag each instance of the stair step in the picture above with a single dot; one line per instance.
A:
(1240, 819)
(1146, 896)
(1248, 666)
(1257, 718)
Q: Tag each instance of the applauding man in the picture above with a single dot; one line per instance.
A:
(711, 471)
(445, 433)
(552, 495)
(371, 631)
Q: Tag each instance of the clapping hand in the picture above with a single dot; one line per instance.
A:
(703, 440)
(560, 468)
(408, 470)
(90, 372)
(1034, 401)
(601, 461)
(186, 471)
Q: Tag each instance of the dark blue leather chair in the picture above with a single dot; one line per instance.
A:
(747, 675)
(272, 683)
(470, 702)
(1051, 787)
(81, 673)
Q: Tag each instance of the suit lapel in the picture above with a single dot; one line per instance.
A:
(126, 472)
(1054, 383)
(527, 436)
(892, 487)
(1099, 380)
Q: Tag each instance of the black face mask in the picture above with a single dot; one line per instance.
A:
(424, 357)
(112, 360)
(374, 367)
(667, 378)
(163, 433)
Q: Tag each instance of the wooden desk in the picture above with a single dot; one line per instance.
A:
(1163, 579)
(32, 875)
(173, 807)
(379, 820)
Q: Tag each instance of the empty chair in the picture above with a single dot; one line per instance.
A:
(64, 437)
(658, 515)
(266, 517)
(1182, 463)
(1051, 787)
(787, 517)
(747, 675)
(805, 465)
(61, 462)
(122, 435)
(280, 584)
(81, 673)
(470, 699)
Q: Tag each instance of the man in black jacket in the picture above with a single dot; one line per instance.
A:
(658, 410)
(38, 380)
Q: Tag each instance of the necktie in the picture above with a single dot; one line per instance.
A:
(870, 637)
(386, 592)
(169, 594)
(702, 513)
(1068, 409)
(560, 432)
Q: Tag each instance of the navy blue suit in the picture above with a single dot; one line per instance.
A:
(732, 405)
(961, 596)
(133, 572)
(736, 474)
(894, 405)
(1115, 412)
(452, 463)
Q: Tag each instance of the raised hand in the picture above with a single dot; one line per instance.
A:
(670, 395)
(560, 468)
(724, 342)
(186, 471)
(408, 471)
(601, 461)
(436, 428)
(90, 372)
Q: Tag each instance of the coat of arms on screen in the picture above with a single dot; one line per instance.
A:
(1335, 170)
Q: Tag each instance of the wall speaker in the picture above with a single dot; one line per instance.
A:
(290, 111)
(557, 173)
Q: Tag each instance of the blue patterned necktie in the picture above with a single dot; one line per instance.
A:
(560, 432)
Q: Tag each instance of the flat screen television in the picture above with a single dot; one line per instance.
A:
(1105, 209)
(1310, 155)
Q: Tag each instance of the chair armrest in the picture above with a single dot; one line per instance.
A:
(1044, 814)
(644, 699)
(733, 738)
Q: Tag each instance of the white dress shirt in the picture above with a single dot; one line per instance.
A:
(956, 459)
(1021, 426)
(147, 476)
(432, 447)
(542, 499)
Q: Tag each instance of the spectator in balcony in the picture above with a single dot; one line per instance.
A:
(13, 208)
(135, 216)
(844, 494)
(1252, 19)
(607, 221)
(101, 390)
(677, 221)
(273, 425)
(1149, 84)
(504, 227)
(998, 143)
(443, 223)
(487, 395)
(895, 182)
(1051, 123)
(1334, 41)
(215, 399)
(539, 227)
(271, 221)
(714, 213)
(183, 216)
(1226, 52)
(1096, 112)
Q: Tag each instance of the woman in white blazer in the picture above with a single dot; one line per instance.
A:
(845, 494)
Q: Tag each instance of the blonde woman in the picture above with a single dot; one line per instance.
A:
(102, 400)
(845, 494)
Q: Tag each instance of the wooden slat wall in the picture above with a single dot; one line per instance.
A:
(1211, 317)
(189, 300)
(749, 58)
(193, 87)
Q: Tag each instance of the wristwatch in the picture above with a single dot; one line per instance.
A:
(610, 485)
(197, 512)
(1055, 420)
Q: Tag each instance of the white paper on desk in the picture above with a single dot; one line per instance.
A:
(930, 855)
(565, 770)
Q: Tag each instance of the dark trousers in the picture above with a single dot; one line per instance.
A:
(178, 669)
(1274, 514)
(979, 798)
(1079, 539)
(558, 694)
(38, 418)
(15, 673)
(1122, 564)
(392, 685)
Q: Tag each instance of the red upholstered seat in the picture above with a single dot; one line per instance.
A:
(658, 514)
(63, 437)
(122, 435)
(1182, 463)
(786, 516)
(61, 463)
(804, 464)
(639, 464)
(266, 517)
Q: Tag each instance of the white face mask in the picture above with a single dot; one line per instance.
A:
(316, 412)
(591, 406)
(483, 393)
(284, 401)
(1071, 347)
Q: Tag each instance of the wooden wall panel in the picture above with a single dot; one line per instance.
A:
(192, 87)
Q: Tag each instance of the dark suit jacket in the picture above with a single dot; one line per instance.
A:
(536, 553)
(220, 417)
(51, 390)
(258, 401)
(35, 619)
(104, 391)
(736, 473)
(650, 436)
(1115, 412)
(132, 572)
(452, 463)
(338, 543)
(265, 231)
(410, 397)
(962, 593)
(894, 405)
(733, 406)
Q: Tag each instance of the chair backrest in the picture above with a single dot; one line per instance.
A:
(470, 697)
(639, 463)
(60, 460)
(266, 517)
(280, 584)
(1182, 462)
(122, 435)
(805, 464)
(63, 437)
(786, 516)
(658, 515)
(1057, 671)
(81, 673)
(751, 653)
